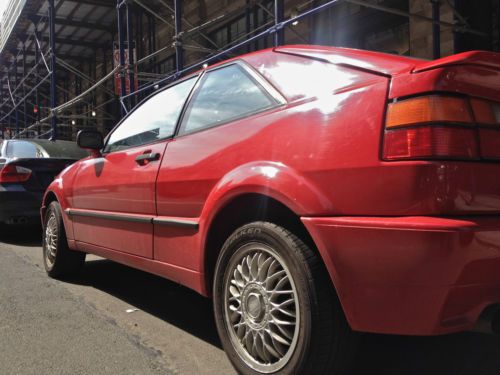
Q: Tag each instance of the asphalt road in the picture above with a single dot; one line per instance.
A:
(82, 326)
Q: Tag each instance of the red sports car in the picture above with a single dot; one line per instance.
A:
(312, 192)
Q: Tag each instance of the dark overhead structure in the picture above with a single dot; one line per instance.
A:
(66, 65)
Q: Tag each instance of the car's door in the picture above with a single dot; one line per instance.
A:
(114, 195)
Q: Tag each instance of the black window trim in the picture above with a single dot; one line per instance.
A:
(197, 77)
(255, 76)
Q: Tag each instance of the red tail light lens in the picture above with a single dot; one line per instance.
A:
(490, 143)
(431, 142)
(14, 173)
(487, 115)
(485, 112)
(440, 127)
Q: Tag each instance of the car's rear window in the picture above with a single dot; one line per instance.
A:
(44, 149)
(24, 150)
(63, 149)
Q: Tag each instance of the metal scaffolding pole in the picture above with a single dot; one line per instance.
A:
(457, 35)
(25, 120)
(1, 124)
(248, 20)
(37, 62)
(279, 16)
(179, 58)
(53, 76)
(121, 45)
(16, 82)
(153, 42)
(436, 29)
(131, 62)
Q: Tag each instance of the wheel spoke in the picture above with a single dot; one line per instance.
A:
(263, 269)
(268, 343)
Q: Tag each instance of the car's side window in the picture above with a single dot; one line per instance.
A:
(225, 94)
(153, 120)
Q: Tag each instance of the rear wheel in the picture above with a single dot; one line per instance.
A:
(275, 308)
(59, 260)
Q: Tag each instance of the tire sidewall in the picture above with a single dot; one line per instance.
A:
(53, 208)
(266, 233)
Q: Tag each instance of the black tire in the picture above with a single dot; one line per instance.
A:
(324, 342)
(61, 261)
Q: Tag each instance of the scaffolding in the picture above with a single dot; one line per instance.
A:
(59, 110)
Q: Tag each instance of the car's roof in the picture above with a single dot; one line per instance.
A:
(43, 142)
(38, 141)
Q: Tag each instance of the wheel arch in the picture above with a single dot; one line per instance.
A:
(52, 196)
(244, 209)
(48, 198)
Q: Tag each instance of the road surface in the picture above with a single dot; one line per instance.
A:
(116, 320)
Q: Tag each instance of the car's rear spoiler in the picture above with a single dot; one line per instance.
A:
(478, 58)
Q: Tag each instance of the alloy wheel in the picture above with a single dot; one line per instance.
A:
(51, 237)
(262, 312)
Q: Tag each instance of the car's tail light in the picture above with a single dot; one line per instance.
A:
(431, 142)
(442, 127)
(428, 109)
(14, 173)
(487, 115)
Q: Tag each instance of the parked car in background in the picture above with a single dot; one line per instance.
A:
(310, 191)
(27, 167)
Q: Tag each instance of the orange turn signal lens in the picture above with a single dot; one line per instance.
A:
(428, 109)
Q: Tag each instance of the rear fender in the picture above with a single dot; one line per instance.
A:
(271, 179)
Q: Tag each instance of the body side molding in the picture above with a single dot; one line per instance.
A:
(137, 218)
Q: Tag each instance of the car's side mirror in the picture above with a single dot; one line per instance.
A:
(90, 140)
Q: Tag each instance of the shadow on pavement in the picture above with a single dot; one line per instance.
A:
(459, 354)
(464, 354)
(162, 298)
(29, 235)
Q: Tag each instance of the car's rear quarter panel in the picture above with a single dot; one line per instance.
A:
(317, 138)
(308, 139)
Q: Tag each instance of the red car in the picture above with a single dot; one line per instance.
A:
(312, 192)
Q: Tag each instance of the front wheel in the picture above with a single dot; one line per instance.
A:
(59, 260)
(275, 308)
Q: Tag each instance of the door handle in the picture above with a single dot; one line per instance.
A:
(146, 158)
